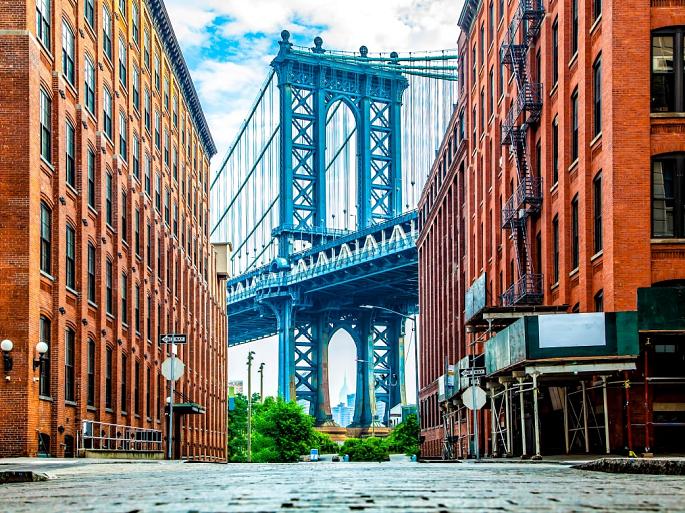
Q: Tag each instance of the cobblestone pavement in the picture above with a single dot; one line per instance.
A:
(333, 487)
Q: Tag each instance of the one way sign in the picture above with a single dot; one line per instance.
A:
(173, 338)
(475, 371)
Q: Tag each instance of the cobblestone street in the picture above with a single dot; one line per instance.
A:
(179, 487)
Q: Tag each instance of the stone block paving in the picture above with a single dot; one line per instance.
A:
(339, 487)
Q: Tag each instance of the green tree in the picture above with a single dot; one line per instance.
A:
(405, 437)
(365, 449)
(283, 432)
(323, 443)
(237, 427)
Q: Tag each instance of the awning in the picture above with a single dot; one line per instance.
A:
(189, 409)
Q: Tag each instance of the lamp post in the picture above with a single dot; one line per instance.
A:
(250, 357)
(261, 382)
(416, 355)
(6, 346)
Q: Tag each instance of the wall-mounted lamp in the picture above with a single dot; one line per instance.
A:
(41, 349)
(6, 346)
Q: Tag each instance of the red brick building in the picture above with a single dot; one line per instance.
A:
(104, 179)
(553, 232)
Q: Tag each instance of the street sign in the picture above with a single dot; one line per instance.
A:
(473, 371)
(474, 397)
(173, 338)
(474, 381)
(175, 365)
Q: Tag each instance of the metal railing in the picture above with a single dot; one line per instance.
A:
(101, 436)
(527, 290)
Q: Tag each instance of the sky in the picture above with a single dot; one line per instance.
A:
(228, 45)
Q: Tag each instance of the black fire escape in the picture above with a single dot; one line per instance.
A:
(526, 199)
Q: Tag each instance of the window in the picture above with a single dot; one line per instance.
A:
(122, 63)
(148, 320)
(91, 372)
(91, 178)
(575, 243)
(175, 115)
(668, 196)
(135, 153)
(555, 249)
(122, 8)
(555, 150)
(538, 158)
(136, 389)
(124, 376)
(597, 208)
(157, 75)
(89, 13)
(147, 109)
(474, 66)
(148, 249)
(69, 348)
(68, 54)
(108, 378)
(148, 172)
(108, 199)
(597, 96)
(491, 21)
(123, 136)
(166, 93)
(135, 31)
(70, 160)
(491, 99)
(158, 192)
(107, 32)
(45, 238)
(500, 79)
(501, 9)
(482, 111)
(167, 200)
(124, 298)
(596, 11)
(91, 272)
(136, 88)
(668, 70)
(574, 27)
(574, 125)
(148, 391)
(158, 131)
(599, 301)
(109, 301)
(555, 51)
(124, 220)
(45, 126)
(71, 257)
(146, 48)
(481, 48)
(44, 376)
(167, 143)
(43, 22)
(107, 110)
(89, 89)
(136, 231)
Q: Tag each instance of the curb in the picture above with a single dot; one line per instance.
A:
(633, 466)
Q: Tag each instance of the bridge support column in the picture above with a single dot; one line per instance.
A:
(322, 413)
(365, 404)
(286, 349)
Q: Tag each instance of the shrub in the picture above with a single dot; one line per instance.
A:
(405, 437)
(366, 449)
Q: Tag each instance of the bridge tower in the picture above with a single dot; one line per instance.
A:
(310, 84)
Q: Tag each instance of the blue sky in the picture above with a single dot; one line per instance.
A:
(228, 45)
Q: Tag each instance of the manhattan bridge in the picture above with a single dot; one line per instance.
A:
(317, 195)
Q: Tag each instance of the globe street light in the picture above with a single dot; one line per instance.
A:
(6, 346)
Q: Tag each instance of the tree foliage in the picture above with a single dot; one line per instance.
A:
(284, 432)
(405, 437)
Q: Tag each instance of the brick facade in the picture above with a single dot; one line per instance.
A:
(474, 175)
(161, 247)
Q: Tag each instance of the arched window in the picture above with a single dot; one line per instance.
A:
(44, 376)
(45, 238)
(68, 53)
(69, 365)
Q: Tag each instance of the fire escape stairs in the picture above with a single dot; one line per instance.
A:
(526, 200)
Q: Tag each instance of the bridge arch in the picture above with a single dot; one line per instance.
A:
(342, 355)
(342, 164)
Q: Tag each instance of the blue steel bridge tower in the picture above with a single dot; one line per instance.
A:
(322, 277)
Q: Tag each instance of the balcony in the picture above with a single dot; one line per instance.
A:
(529, 290)
(526, 200)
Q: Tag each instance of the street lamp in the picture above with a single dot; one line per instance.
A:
(416, 354)
(6, 346)
(250, 357)
(41, 349)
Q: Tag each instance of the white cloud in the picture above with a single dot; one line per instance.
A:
(239, 37)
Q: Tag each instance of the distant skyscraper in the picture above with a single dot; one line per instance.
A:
(237, 386)
(343, 413)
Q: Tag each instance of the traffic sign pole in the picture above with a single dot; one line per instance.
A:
(171, 402)
(475, 423)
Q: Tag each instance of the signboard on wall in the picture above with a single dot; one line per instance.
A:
(576, 330)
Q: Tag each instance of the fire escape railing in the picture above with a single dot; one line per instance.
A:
(526, 199)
